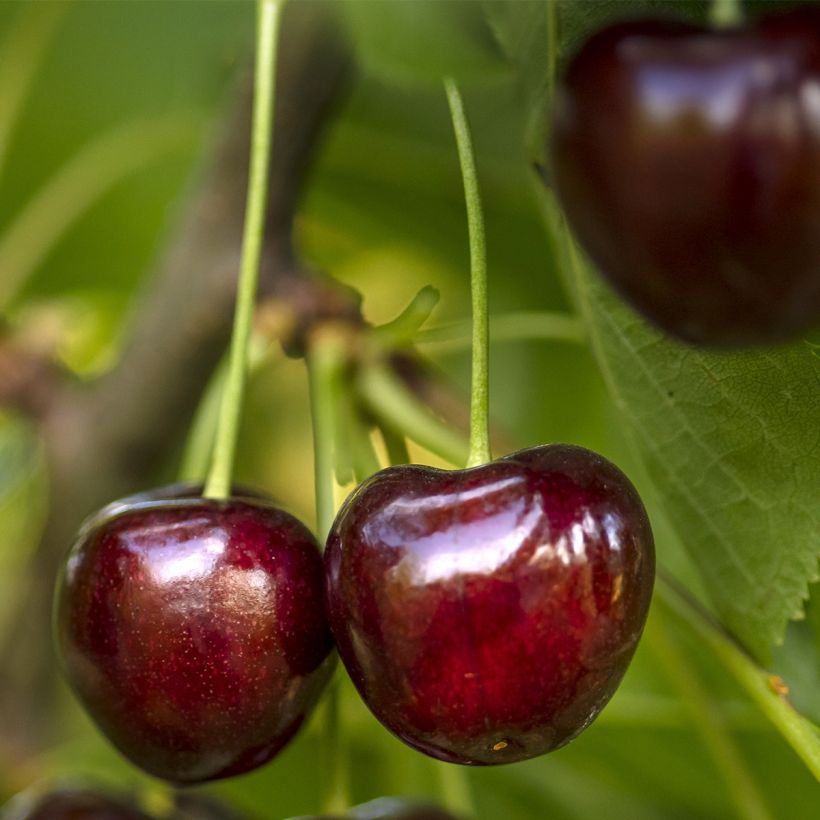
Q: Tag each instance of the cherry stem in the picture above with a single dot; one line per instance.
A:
(395, 445)
(399, 410)
(218, 484)
(479, 452)
(325, 353)
(799, 732)
(402, 330)
(322, 360)
(334, 770)
(707, 719)
(455, 789)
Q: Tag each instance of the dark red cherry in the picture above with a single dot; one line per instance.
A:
(688, 164)
(71, 804)
(487, 615)
(193, 631)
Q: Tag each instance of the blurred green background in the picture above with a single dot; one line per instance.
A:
(382, 211)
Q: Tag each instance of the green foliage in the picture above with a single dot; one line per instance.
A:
(727, 457)
(730, 444)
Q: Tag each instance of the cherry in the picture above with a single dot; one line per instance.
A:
(688, 164)
(72, 804)
(193, 631)
(487, 615)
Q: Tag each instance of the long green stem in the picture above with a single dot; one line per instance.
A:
(322, 360)
(397, 408)
(321, 363)
(479, 393)
(456, 792)
(395, 445)
(405, 327)
(335, 776)
(708, 721)
(267, 30)
(757, 683)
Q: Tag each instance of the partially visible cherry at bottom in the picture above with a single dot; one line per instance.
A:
(71, 804)
(487, 615)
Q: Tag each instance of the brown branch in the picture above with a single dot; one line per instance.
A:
(112, 438)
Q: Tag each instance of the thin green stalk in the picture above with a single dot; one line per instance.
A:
(726, 12)
(395, 445)
(404, 328)
(365, 460)
(508, 327)
(335, 773)
(455, 789)
(397, 408)
(801, 735)
(267, 30)
(321, 365)
(708, 721)
(322, 361)
(479, 452)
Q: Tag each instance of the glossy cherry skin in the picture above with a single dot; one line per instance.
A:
(193, 631)
(688, 165)
(487, 615)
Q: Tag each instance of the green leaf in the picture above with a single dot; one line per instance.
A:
(730, 441)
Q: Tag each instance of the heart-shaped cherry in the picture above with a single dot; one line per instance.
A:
(487, 615)
(193, 631)
(688, 164)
